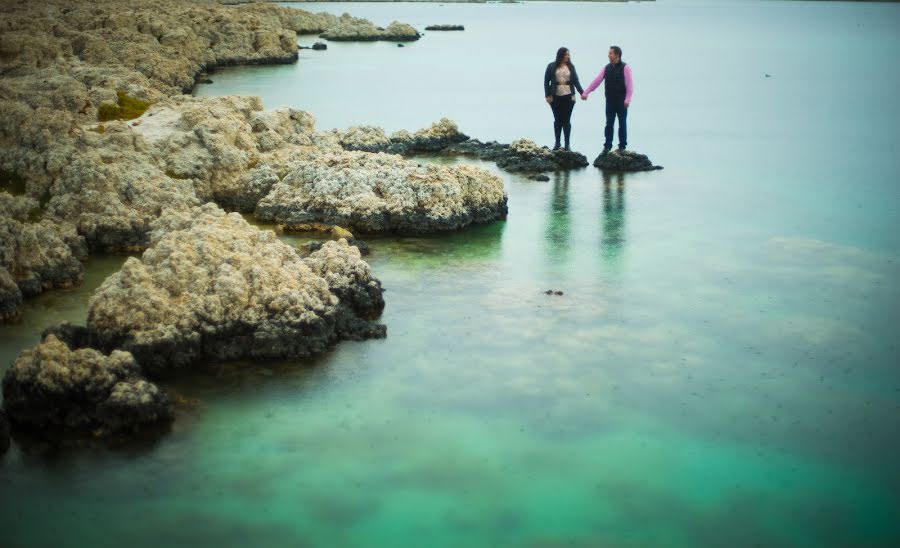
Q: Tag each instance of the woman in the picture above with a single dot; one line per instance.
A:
(560, 83)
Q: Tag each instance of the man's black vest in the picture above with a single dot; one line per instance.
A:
(614, 77)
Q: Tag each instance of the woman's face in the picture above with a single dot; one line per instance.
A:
(566, 57)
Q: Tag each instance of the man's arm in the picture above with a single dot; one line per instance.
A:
(629, 85)
(594, 84)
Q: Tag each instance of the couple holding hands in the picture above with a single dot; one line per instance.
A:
(561, 81)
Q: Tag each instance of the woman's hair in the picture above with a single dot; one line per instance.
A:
(560, 55)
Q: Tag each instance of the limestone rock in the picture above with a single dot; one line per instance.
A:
(52, 386)
(61, 61)
(10, 296)
(383, 193)
(435, 138)
(352, 29)
(522, 155)
(36, 257)
(624, 160)
(348, 277)
(211, 286)
(525, 155)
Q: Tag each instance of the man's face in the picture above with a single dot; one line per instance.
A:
(613, 58)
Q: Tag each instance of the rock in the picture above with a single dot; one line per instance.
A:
(10, 296)
(309, 247)
(445, 27)
(360, 30)
(362, 246)
(338, 233)
(37, 256)
(73, 336)
(525, 155)
(434, 138)
(320, 46)
(521, 155)
(211, 286)
(377, 193)
(473, 147)
(349, 278)
(62, 61)
(624, 160)
(4, 433)
(54, 387)
(539, 177)
(400, 45)
(553, 292)
(204, 81)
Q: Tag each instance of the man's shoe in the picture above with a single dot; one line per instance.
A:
(556, 146)
(621, 148)
(606, 149)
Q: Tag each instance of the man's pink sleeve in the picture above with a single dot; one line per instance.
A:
(629, 84)
(595, 83)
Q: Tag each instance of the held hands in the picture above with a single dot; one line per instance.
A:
(549, 99)
(627, 103)
(584, 96)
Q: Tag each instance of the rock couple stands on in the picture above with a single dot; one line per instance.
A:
(624, 160)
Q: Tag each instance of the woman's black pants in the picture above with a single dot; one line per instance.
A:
(562, 106)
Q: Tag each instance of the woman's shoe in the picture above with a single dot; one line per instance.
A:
(556, 146)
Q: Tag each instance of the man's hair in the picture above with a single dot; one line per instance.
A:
(617, 49)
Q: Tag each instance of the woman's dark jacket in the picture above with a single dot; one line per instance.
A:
(550, 80)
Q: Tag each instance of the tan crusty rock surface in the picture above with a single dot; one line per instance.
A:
(383, 193)
(211, 286)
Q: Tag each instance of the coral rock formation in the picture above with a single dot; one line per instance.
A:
(53, 386)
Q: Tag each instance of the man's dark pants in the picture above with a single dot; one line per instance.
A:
(613, 109)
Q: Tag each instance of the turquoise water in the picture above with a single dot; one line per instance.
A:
(721, 369)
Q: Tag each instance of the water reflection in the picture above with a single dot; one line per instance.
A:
(559, 230)
(613, 236)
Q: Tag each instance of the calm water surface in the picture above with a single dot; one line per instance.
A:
(720, 371)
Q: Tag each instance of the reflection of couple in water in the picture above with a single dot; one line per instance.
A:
(558, 231)
(561, 82)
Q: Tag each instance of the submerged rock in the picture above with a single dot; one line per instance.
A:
(360, 30)
(211, 286)
(383, 193)
(52, 386)
(624, 160)
(320, 46)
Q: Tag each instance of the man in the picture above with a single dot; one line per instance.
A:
(619, 87)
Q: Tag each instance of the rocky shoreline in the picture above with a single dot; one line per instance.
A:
(102, 152)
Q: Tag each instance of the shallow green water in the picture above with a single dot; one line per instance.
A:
(720, 371)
